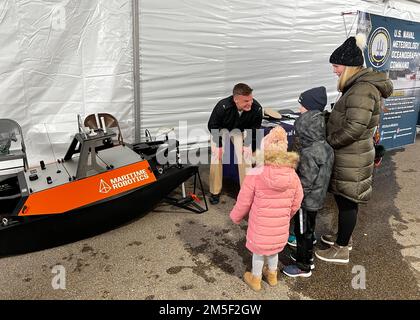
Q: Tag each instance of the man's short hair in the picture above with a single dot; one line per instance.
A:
(242, 89)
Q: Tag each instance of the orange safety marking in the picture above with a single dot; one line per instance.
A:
(82, 192)
(194, 197)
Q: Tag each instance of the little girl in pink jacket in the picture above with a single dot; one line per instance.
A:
(270, 195)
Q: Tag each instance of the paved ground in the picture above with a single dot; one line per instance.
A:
(173, 254)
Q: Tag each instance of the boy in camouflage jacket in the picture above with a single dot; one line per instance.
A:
(314, 170)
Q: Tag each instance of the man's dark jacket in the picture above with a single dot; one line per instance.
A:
(225, 116)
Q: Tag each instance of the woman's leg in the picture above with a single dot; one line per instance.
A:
(347, 218)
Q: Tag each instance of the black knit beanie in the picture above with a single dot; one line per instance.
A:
(348, 54)
(314, 99)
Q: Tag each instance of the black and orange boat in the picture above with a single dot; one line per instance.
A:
(97, 186)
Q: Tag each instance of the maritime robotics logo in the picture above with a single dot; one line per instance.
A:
(379, 47)
(104, 187)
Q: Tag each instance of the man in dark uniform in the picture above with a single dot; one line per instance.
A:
(237, 116)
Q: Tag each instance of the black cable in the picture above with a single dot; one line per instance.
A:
(106, 164)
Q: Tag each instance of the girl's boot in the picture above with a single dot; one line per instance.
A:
(252, 281)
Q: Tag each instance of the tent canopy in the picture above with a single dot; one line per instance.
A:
(60, 59)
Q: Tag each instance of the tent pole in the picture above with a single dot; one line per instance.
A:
(136, 70)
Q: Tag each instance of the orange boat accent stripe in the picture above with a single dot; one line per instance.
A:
(82, 192)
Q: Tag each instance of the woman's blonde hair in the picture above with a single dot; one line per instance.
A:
(346, 75)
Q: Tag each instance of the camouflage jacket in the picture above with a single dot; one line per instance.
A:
(316, 159)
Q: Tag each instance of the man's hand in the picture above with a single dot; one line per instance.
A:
(247, 152)
(216, 153)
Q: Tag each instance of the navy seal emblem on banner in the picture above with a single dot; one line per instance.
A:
(379, 47)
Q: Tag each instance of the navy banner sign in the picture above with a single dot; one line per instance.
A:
(393, 45)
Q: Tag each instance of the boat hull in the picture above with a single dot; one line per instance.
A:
(41, 232)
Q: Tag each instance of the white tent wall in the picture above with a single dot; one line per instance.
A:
(192, 52)
(63, 58)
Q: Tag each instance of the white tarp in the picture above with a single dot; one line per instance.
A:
(194, 51)
(63, 58)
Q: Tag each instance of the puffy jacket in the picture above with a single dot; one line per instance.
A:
(316, 159)
(271, 194)
(350, 130)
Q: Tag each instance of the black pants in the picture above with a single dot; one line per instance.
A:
(347, 218)
(304, 230)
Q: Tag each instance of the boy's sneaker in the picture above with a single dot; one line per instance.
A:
(330, 240)
(334, 254)
(292, 241)
(311, 260)
(294, 271)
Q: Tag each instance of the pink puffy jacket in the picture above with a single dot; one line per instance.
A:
(271, 198)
